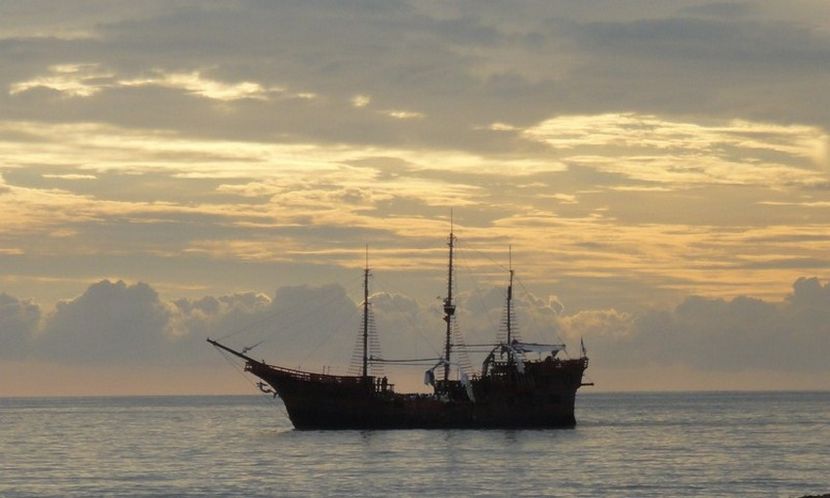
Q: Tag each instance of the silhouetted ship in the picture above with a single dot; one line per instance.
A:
(511, 391)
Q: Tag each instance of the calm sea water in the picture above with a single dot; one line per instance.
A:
(639, 445)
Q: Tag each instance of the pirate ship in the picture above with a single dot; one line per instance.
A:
(510, 391)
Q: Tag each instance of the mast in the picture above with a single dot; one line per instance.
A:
(366, 316)
(510, 296)
(449, 307)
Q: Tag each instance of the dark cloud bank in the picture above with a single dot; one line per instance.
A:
(469, 64)
(114, 323)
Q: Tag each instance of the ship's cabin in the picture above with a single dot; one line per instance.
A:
(509, 358)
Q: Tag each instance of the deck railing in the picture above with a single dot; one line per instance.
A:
(304, 376)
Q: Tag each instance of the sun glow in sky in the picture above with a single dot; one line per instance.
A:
(662, 173)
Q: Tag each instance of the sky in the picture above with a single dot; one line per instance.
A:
(175, 170)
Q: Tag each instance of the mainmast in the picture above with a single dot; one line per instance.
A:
(366, 316)
(449, 307)
(510, 296)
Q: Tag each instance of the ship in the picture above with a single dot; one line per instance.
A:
(511, 391)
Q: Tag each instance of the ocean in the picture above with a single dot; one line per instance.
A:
(632, 444)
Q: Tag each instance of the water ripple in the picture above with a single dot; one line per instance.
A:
(643, 445)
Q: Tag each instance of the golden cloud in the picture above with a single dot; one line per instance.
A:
(650, 148)
(86, 80)
(559, 232)
(195, 83)
(72, 80)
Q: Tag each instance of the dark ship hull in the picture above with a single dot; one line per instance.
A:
(542, 397)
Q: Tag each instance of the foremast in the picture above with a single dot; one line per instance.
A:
(449, 307)
(366, 353)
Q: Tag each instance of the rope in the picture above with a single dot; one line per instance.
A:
(292, 316)
(381, 284)
(328, 336)
(522, 285)
(408, 360)
(539, 334)
(241, 372)
(478, 293)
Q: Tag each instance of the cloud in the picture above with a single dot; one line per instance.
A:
(86, 80)
(706, 334)
(72, 80)
(810, 295)
(119, 325)
(403, 114)
(301, 325)
(19, 319)
(652, 149)
(111, 322)
(742, 334)
(361, 100)
(464, 65)
(116, 322)
(631, 153)
(70, 176)
(213, 316)
(196, 84)
(502, 127)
